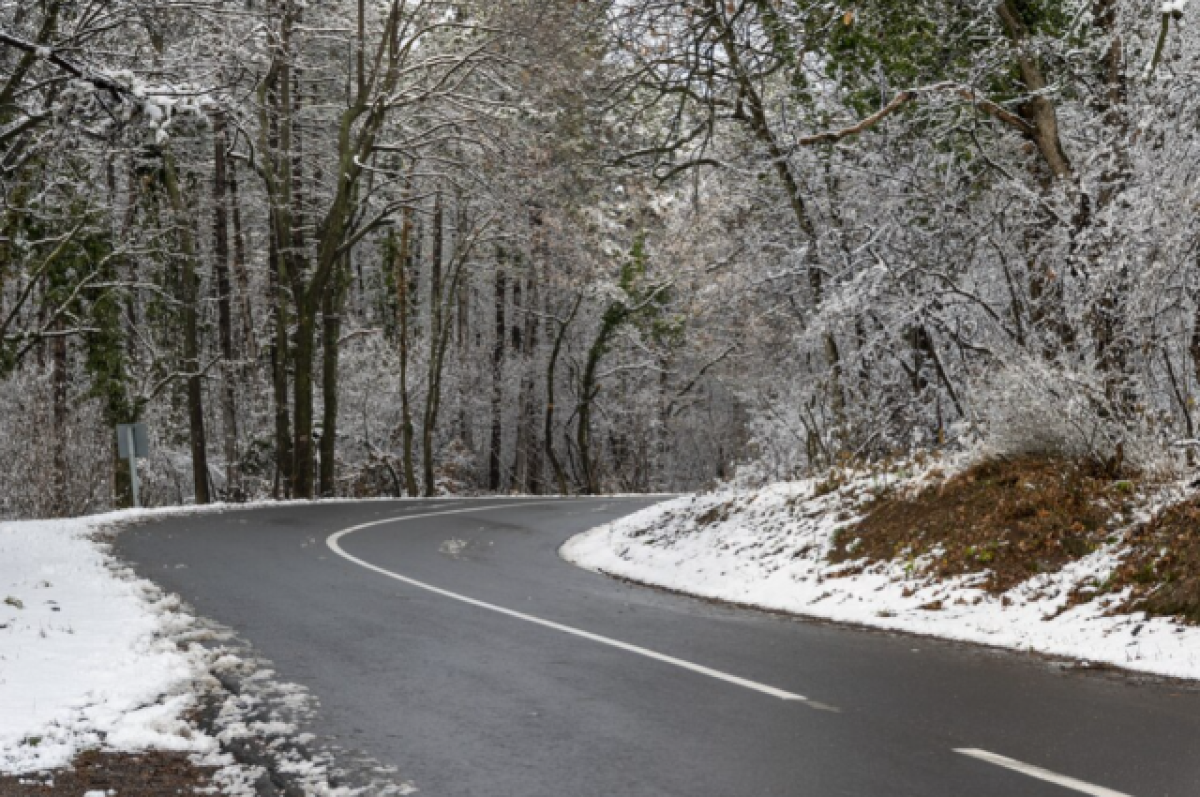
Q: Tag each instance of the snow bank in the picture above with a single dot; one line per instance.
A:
(768, 549)
(85, 657)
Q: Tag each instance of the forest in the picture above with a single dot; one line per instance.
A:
(358, 248)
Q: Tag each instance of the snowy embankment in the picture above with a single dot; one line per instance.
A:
(770, 549)
(88, 657)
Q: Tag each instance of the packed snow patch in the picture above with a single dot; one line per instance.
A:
(85, 660)
(769, 548)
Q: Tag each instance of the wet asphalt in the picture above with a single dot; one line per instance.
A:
(468, 702)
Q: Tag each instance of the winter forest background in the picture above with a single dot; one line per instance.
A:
(402, 247)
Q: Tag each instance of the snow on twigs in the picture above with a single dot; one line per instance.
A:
(769, 549)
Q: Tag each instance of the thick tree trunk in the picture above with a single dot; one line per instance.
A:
(191, 341)
(1046, 285)
(401, 257)
(560, 475)
(403, 301)
(614, 317)
(524, 449)
(307, 296)
(276, 142)
(461, 296)
(332, 306)
(302, 403)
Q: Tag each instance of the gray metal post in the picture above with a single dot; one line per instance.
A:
(133, 477)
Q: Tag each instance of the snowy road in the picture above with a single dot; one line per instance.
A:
(453, 643)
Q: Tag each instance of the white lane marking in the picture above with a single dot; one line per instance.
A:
(334, 539)
(1041, 774)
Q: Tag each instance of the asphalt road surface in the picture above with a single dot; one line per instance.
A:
(450, 640)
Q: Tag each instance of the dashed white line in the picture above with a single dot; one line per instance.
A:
(1041, 774)
(333, 543)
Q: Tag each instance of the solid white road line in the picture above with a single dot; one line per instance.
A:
(1041, 774)
(334, 539)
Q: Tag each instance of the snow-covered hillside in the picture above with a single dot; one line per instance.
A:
(770, 548)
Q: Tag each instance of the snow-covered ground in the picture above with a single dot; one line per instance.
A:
(768, 548)
(87, 655)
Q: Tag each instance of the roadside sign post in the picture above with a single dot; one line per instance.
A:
(133, 443)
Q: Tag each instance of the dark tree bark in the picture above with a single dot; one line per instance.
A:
(614, 317)
(280, 356)
(526, 452)
(436, 332)
(560, 475)
(534, 476)
(191, 339)
(404, 293)
(224, 311)
(302, 402)
(331, 331)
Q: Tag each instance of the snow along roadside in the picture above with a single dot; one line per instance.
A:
(87, 657)
(768, 548)
(92, 657)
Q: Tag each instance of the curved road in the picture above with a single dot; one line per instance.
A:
(448, 639)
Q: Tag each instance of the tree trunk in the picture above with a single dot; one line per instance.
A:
(191, 342)
(616, 315)
(560, 475)
(1194, 341)
(332, 306)
(403, 300)
(754, 116)
(1038, 110)
(534, 475)
(233, 489)
(497, 442)
(280, 356)
(60, 503)
(304, 294)
(302, 402)
(246, 306)
(436, 322)
(525, 451)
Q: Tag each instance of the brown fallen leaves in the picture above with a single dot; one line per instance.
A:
(1163, 564)
(142, 775)
(1010, 518)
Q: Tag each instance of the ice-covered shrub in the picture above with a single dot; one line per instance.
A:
(1031, 408)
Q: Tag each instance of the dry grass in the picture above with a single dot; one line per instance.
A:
(1011, 519)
